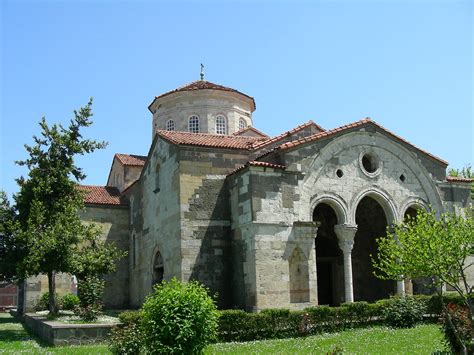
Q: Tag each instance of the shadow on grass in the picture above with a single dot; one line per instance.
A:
(22, 333)
(8, 320)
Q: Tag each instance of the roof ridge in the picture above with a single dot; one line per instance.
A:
(257, 163)
(285, 134)
(236, 133)
(361, 122)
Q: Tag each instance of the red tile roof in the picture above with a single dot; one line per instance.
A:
(131, 159)
(209, 140)
(258, 163)
(102, 195)
(459, 179)
(203, 85)
(250, 128)
(360, 123)
(288, 133)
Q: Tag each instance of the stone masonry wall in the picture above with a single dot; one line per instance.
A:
(207, 105)
(114, 222)
(155, 221)
(264, 243)
(205, 217)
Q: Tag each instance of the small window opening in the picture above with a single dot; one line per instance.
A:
(221, 125)
(170, 125)
(242, 123)
(193, 124)
(369, 162)
(402, 178)
(339, 173)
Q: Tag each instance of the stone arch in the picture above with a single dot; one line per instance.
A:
(317, 164)
(411, 203)
(330, 278)
(299, 276)
(336, 202)
(382, 198)
(372, 220)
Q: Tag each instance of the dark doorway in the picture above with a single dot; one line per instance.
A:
(371, 224)
(158, 269)
(329, 262)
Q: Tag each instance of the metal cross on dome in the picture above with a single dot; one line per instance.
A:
(202, 71)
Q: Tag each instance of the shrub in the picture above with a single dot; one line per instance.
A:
(461, 320)
(178, 318)
(69, 301)
(130, 317)
(126, 338)
(90, 290)
(42, 302)
(404, 312)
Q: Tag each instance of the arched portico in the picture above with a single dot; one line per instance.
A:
(329, 258)
(372, 222)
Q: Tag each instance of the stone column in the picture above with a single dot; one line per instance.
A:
(345, 235)
(401, 288)
(400, 284)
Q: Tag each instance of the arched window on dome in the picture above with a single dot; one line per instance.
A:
(170, 125)
(242, 123)
(221, 125)
(193, 124)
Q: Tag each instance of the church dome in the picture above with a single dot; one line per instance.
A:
(202, 107)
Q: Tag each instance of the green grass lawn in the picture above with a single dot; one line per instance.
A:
(423, 339)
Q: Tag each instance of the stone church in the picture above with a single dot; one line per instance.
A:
(287, 221)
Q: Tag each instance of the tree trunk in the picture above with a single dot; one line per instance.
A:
(20, 307)
(53, 307)
(452, 326)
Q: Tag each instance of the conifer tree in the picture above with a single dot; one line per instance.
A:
(49, 201)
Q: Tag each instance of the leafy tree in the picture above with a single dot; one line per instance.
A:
(12, 251)
(49, 201)
(9, 252)
(437, 248)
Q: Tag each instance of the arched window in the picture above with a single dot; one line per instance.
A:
(193, 124)
(221, 125)
(242, 123)
(170, 125)
(158, 268)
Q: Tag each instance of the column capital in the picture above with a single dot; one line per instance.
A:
(345, 236)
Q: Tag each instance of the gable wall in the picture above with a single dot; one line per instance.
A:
(155, 221)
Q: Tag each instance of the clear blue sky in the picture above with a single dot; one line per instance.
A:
(406, 64)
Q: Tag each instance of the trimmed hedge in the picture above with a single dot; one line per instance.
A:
(238, 325)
